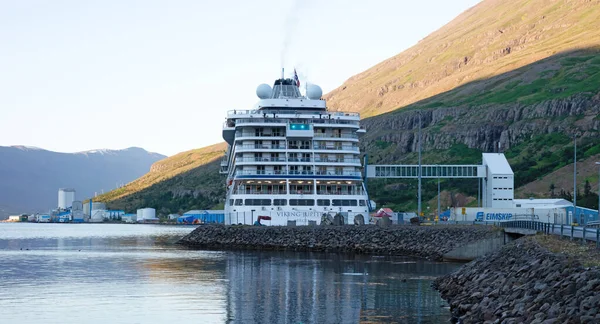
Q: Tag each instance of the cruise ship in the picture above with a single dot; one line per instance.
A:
(291, 161)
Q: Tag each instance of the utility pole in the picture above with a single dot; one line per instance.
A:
(574, 180)
(419, 202)
(438, 206)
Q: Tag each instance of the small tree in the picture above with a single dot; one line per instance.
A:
(587, 189)
(552, 187)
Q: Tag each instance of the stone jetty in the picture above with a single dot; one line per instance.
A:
(430, 242)
(524, 282)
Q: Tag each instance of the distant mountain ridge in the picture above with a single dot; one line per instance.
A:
(30, 177)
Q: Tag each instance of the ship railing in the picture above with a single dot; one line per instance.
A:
(260, 192)
(262, 146)
(261, 159)
(286, 121)
(299, 172)
(336, 148)
(327, 135)
(337, 160)
(339, 173)
(343, 193)
(246, 134)
(300, 111)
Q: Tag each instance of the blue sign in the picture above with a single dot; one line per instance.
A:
(479, 217)
(497, 216)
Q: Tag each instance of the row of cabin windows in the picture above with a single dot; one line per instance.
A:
(503, 188)
(502, 199)
(297, 202)
(500, 177)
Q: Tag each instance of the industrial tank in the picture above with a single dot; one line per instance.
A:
(66, 196)
(145, 214)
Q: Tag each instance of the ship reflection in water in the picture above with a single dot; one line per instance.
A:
(285, 287)
(83, 273)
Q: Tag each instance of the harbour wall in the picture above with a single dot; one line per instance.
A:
(523, 282)
(431, 242)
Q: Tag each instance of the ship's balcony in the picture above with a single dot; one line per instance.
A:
(332, 136)
(322, 161)
(243, 191)
(284, 173)
(259, 148)
(260, 160)
(278, 122)
(348, 148)
(255, 136)
(340, 192)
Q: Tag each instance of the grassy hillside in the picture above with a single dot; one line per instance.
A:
(494, 37)
(184, 181)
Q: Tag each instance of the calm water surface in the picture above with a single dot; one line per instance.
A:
(99, 273)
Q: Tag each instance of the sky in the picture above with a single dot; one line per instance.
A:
(81, 75)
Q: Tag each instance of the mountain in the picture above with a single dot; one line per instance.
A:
(188, 180)
(492, 38)
(516, 76)
(32, 176)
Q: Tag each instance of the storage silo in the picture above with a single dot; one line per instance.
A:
(66, 196)
(149, 213)
(146, 214)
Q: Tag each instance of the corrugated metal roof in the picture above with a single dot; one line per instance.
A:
(497, 163)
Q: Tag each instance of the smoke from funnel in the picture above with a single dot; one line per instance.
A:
(290, 26)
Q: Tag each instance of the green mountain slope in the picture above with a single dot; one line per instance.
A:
(517, 76)
(178, 183)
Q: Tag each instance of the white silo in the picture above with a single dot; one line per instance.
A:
(66, 196)
(146, 214)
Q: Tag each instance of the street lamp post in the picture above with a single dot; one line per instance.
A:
(419, 189)
(574, 180)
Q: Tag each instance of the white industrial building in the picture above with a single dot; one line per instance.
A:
(66, 197)
(499, 182)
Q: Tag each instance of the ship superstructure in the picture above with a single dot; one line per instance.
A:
(290, 159)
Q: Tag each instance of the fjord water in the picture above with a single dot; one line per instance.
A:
(109, 273)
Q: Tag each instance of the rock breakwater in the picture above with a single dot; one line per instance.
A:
(523, 283)
(430, 242)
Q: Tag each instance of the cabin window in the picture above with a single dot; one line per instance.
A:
(323, 202)
(279, 202)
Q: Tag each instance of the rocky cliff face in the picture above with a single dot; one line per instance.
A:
(485, 127)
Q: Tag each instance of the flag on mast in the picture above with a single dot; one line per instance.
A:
(296, 79)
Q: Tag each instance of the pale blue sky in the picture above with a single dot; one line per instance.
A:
(79, 75)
